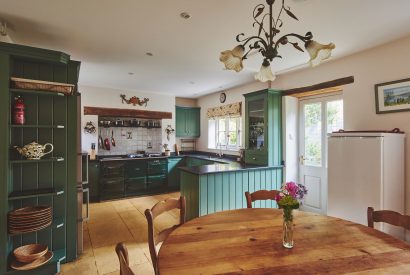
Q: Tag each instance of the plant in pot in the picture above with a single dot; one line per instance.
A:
(167, 151)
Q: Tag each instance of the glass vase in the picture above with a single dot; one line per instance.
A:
(287, 228)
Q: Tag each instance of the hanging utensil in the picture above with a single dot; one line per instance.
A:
(112, 138)
(100, 140)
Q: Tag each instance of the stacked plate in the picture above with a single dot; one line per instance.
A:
(29, 219)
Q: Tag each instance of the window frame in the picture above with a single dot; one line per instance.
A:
(217, 131)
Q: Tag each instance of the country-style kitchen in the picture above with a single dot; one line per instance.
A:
(204, 137)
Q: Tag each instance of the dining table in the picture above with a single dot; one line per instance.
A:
(249, 241)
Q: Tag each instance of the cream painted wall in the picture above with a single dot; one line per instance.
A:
(110, 98)
(212, 100)
(186, 102)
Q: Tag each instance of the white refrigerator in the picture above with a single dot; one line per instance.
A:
(366, 169)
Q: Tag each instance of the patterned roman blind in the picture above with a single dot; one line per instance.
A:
(230, 110)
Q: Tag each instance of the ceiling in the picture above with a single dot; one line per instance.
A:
(111, 38)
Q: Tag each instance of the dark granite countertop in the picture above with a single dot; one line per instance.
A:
(125, 158)
(220, 165)
(224, 167)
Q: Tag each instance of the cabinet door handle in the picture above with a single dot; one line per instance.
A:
(87, 217)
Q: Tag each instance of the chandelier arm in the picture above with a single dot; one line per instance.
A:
(305, 38)
(260, 6)
(280, 13)
(247, 40)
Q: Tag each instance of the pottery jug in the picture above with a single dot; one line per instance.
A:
(34, 150)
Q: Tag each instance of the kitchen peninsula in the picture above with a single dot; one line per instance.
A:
(221, 186)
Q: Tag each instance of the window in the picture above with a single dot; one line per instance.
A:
(224, 133)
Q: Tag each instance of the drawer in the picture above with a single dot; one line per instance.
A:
(135, 169)
(135, 185)
(156, 181)
(256, 157)
(112, 188)
(112, 170)
(159, 166)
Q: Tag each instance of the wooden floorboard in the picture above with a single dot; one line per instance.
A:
(118, 221)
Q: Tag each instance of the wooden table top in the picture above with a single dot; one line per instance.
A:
(249, 241)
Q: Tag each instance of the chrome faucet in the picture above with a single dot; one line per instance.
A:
(220, 151)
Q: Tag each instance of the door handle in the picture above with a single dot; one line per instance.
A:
(87, 191)
(302, 159)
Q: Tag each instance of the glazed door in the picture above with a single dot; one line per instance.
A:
(318, 117)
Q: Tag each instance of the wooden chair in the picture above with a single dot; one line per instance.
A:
(122, 253)
(151, 214)
(260, 195)
(387, 216)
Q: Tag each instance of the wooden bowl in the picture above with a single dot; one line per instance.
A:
(29, 253)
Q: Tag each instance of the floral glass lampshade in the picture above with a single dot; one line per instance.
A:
(265, 73)
(233, 58)
(318, 52)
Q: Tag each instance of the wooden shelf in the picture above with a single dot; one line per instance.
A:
(21, 161)
(36, 92)
(57, 223)
(39, 126)
(34, 193)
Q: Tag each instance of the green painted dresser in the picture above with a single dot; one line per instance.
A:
(51, 117)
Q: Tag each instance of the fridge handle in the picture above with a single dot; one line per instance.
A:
(87, 217)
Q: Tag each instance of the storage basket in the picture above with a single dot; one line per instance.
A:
(30, 84)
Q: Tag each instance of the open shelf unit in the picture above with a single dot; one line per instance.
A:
(50, 117)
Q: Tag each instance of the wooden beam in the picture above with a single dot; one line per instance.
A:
(113, 112)
(320, 86)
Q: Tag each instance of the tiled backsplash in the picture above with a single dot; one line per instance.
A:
(130, 140)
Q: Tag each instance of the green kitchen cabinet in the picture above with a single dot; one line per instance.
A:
(135, 177)
(174, 173)
(188, 120)
(93, 179)
(51, 117)
(263, 128)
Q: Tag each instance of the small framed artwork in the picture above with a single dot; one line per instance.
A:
(393, 96)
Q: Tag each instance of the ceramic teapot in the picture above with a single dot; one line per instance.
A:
(34, 150)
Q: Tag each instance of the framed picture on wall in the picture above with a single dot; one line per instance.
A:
(393, 96)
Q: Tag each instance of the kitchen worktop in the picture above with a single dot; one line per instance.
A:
(223, 167)
(125, 158)
(220, 165)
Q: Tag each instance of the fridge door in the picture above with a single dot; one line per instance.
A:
(355, 177)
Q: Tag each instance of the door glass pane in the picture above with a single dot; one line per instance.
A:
(313, 134)
(334, 115)
(256, 113)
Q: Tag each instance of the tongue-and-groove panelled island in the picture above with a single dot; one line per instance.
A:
(222, 186)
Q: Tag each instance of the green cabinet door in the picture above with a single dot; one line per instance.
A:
(180, 121)
(93, 178)
(187, 120)
(193, 122)
(174, 173)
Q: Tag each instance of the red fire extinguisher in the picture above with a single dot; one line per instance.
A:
(19, 111)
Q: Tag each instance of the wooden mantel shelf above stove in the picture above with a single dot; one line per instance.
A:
(113, 112)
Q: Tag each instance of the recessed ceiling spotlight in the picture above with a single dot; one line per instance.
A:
(185, 15)
(131, 73)
(149, 54)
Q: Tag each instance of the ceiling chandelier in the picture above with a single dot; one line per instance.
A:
(268, 45)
